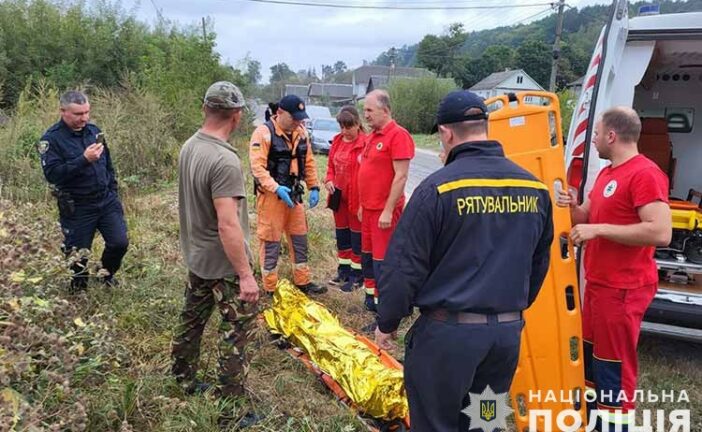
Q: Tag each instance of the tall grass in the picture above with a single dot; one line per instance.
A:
(139, 131)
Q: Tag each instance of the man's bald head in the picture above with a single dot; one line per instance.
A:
(380, 98)
(376, 109)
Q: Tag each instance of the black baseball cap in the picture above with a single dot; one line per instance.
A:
(455, 106)
(294, 105)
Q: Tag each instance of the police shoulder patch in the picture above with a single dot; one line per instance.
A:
(43, 146)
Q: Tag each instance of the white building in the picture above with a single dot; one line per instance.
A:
(510, 81)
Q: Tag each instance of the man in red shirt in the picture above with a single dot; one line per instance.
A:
(624, 218)
(381, 180)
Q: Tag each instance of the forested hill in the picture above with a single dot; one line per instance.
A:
(468, 56)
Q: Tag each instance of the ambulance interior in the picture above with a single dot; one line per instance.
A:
(669, 102)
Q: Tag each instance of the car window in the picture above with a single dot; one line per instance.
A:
(327, 125)
(316, 111)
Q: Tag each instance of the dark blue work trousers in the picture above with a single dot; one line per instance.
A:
(104, 214)
(446, 361)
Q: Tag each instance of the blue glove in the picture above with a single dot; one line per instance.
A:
(283, 193)
(314, 198)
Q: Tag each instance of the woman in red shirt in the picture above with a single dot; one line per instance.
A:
(342, 185)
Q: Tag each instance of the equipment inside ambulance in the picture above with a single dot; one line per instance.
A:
(653, 63)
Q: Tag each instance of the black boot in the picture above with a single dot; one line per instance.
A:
(354, 282)
(342, 275)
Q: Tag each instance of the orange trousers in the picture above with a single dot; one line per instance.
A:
(274, 218)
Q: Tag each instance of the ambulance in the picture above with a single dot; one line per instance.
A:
(653, 63)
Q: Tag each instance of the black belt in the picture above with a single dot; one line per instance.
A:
(470, 317)
(89, 197)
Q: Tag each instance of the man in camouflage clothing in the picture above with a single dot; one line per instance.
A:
(214, 237)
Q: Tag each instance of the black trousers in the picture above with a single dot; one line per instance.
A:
(105, 215)
(446, 361)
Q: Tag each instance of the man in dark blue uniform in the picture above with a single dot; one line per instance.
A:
(471, 252)
(77, 164)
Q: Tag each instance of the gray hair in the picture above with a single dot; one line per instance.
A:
(382, 97)
(73, 97)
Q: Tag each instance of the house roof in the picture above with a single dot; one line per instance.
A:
(296, 89)
(496, 78)
(364, 73)
(339, 91)
(378, 81)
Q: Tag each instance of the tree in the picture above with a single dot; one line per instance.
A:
(405, 56)
(327, 72)
(414, 101)
(253, 71)
(439, 53)
(498, 58)
(534, 56)
(339, 67)
(281, 72)
(433, 54)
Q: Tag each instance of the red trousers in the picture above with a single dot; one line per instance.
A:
(348, 236)
(374, 243)
(611, 326)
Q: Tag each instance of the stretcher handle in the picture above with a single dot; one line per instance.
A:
(519, 98)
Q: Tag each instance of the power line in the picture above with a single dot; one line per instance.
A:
(396, 7)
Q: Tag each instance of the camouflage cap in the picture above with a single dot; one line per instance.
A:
(224, 95)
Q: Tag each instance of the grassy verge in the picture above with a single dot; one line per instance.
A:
(100, 361)
(427, 142)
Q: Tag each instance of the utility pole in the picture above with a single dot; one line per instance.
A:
(556, 47)
(204, 30)
(393, 55)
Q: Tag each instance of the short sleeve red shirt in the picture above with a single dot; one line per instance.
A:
(615, 199)
(376, 172)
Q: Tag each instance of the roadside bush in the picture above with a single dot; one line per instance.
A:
(414, 101)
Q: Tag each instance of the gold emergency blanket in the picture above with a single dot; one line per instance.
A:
(375, 388)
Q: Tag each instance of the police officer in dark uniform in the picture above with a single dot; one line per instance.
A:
(471, 252)
(77, 164)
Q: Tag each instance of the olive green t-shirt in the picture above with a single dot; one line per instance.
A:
(208, 168)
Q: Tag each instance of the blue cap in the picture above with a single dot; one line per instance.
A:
(455, 106)
(295, 106)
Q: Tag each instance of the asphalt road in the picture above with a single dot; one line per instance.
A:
(424, 163)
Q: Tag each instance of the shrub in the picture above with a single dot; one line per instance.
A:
(414, 101)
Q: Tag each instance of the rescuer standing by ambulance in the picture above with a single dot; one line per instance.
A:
(471, 252)
(281, 161)
(625, 216)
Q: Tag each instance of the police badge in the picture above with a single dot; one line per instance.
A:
(43, 146)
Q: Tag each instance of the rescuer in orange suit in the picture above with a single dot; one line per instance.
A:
(281, 161)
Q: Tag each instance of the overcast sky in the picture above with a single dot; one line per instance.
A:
(305, 37)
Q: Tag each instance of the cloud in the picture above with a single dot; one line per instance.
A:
(308, 37)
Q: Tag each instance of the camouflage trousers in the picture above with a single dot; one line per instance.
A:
(235, 331)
